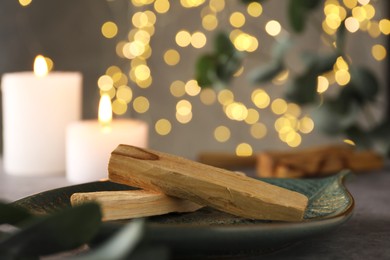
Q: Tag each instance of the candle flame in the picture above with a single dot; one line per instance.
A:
(105, 110)
(40, 66)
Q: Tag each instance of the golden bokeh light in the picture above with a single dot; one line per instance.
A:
(225, 97)
(119, 106)
(237, 19)
(25, 2)
(236, 111)
(322, 84)
(177, 88)
(124, 93)
(342, 77)
(252, 116)
(350, 3)
(105, 83)
(161, 6)
(141, 104)
(255, 9)
(184, 119)
(192, 88)
(306, 125)
(352, 24)
(183, 38)
(378, 52)
(222, 133)
(208, 96)
(209, 22)
(191, 3)
(171, 57)
(198, 40)
(244, 149)
(384, 26)
(217, 5)
(260, 98)
(273, 27)
(109, 29)
(163, 126)
(258, 130)
(279, 106)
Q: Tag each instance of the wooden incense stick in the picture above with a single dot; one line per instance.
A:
(317, 161)
(117, 205)
(205, 185)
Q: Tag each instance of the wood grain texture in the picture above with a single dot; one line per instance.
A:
(117, 205)
(205, 185)
(318, 161)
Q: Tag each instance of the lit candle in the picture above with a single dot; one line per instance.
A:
(37, 107)
(90, 143)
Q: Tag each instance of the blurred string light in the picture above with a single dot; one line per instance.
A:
(25, 2)
(290, 123)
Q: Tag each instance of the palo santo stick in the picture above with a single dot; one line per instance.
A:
(204, 184)
(133, 203)
(317, 161)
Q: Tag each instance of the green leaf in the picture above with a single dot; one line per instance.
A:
(280, 49)
(61, 231)
(303, 89)
(120, 245)
(265, 73)
(206, 67)
(227, 66)
(12, 215)
(298, 11)
(297, 15)
(335, 116)
(365, 82)
(340, 37)
(223, 45)
(319, 64)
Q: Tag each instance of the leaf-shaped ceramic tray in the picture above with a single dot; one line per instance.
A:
(208, 231)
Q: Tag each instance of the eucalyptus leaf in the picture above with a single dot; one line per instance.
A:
(298, 11)
(279, 49)
(12, 215)
(64, 230)
(265, 73)
(319, 64)
(335, 116)
(365, 82)
(206, 66)
(303, 89)
(227, 66)
(223, 45)
(340, 37)
(297, 15)
(120, 245)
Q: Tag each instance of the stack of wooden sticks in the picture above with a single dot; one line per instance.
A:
(168, 183)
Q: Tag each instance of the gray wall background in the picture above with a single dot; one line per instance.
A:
(69, 33)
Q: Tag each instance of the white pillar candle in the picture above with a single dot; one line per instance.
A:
(36, 111)
(89, 144)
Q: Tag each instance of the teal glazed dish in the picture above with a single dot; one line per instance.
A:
(211, 232)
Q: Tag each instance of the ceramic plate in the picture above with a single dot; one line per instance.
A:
(208, 231)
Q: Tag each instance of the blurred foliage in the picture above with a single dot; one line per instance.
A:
(29, 236)
(335, 115)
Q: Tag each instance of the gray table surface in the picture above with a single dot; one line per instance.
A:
(365, 236)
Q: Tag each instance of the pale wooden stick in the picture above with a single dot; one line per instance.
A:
(133, 203)
(204, 185)
(319, 161)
